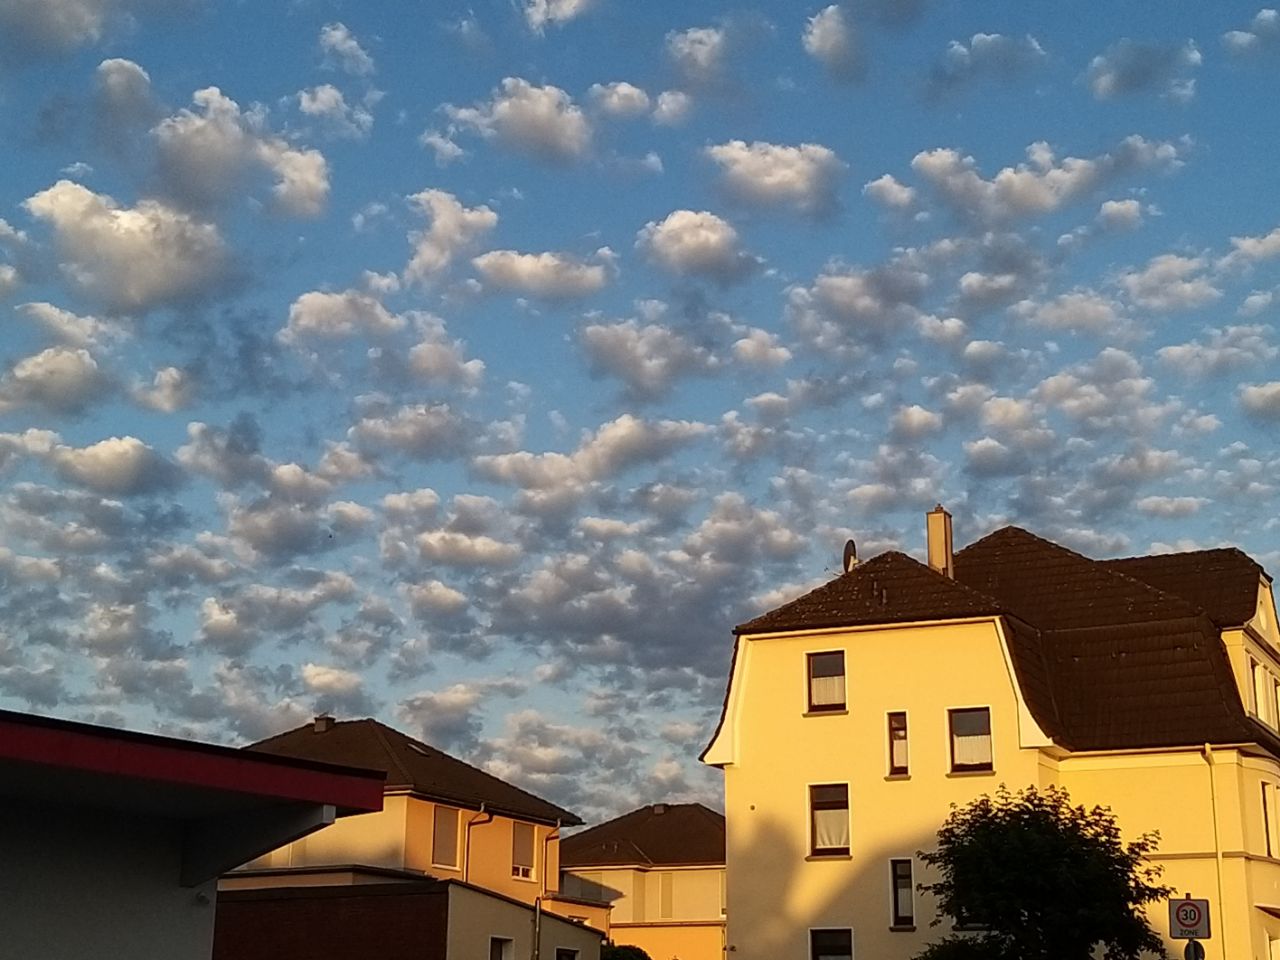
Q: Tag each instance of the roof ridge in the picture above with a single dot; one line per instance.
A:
(381, 730)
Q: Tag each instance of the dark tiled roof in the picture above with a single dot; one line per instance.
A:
(682, 834)
(889, 588)
(1223, 583)
(1109, 654)
(413, 765)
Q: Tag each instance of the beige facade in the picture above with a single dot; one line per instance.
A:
(671, 912)
(789, 874)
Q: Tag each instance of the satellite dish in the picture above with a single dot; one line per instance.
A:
(850, 555)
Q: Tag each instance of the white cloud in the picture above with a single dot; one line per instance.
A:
(1081, 311)
(32, 27)
(439, 359)
(9, 279)
(672, 108)
(1042, 185)
(445, 150)
(761, 348)
(420, 431)
(130, 259)
(1261, 399)
(830, 39)
(1120, 214)
(888, 192)
(118, 466)
(59, 379)
(649, 358)
(124, 98)
(1223, 351)
(327, 104)
(433, 599)
(1171, 507)
(1170, 282)
(323, 315)
(1129, 67)
(804, 177)
(466, 550)
(539, 13)
(696, 243)
(452, 230)
(170, 390)
(619, 99)
(614, 447)
(71, 329)
(342, 50)
(548, 276)
(1263, 34)
(700, 54)
(204, 153)
(1247, 250)
(541, 121)
(914, 422)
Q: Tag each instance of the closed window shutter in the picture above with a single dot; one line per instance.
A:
(444, 840)
(522, 846)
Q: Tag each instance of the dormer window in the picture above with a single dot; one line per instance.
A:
(826, 682)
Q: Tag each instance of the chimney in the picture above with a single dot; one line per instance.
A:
(659, 809)
(938, 528)
(322, 724)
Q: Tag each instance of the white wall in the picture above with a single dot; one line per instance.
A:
(475, 917)
(78, 885)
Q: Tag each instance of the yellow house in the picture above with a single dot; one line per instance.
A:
(441, 818)
(662, 869)
(856, 714)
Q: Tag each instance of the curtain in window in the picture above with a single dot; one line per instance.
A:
(826, 691)
(900, 754)
(971, 737)
(972, 751)
(903, 903)
(831, 829)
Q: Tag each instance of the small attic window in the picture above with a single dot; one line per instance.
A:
(419, 748)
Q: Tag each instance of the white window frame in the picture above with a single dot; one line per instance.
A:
(888, 746)
(1270, 838)
(517, 869)
(893, 894)
(950, 748)
(457, 845)
(809, 710)
(853, 945)
(810, 853)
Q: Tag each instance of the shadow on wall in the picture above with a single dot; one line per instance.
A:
(776, 895)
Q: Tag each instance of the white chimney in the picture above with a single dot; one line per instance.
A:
(938, 529)
(322, 724)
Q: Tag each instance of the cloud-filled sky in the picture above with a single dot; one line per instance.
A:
(479, 366)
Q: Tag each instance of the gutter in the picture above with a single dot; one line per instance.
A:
(1217, 842)
(466, 843)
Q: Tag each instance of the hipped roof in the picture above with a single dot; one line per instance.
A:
(669, 834)
(1120, 654)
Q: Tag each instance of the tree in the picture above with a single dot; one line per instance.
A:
(1042, 880)
(612, 951)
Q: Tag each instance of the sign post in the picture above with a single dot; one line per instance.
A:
(1189, 920)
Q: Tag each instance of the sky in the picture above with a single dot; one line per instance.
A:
(479, 366)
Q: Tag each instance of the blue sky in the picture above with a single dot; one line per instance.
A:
(478, 366)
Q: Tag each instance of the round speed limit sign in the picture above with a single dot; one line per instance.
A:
(1188, 914)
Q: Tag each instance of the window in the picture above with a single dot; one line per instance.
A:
(666, 895)
(897, 744)
(501, 948)
(1268, 817)
(826, 681)
(565, 954)
(830, 945)
(829, 819)
(970, 739)
(522, 850)
(444, 840)
(904, 907)
(1259, 689)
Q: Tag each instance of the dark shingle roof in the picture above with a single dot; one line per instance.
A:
(1109, 654)
(671, 834)
(413, 765)
(1223, 583)
(889, 588)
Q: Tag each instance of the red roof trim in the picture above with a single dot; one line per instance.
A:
(93, 749)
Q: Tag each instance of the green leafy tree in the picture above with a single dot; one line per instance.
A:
(1040, 879)
(624, 951)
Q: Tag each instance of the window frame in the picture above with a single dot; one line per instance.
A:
(895, 772)
(970, 769)
(457, 847)
(897, 921)
(812, 709)
(828, 853)
(533, 853)
(1269, 817)
(813, 930)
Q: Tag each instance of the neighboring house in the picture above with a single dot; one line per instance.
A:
(662, 869)
(111, 842)
(856, 714)
(441, 818)
(414, 918)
